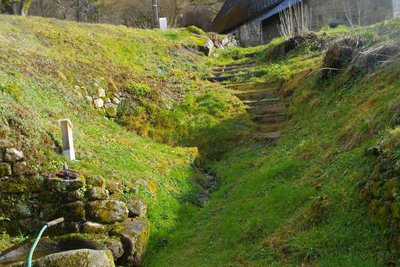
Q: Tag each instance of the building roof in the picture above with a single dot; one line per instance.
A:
(236, 12)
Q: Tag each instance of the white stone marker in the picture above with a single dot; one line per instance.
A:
(163, 23)
(67, 139)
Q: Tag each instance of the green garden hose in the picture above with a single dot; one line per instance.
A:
(49, 224)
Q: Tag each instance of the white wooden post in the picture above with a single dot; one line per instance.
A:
(67, 139)
(163, 24)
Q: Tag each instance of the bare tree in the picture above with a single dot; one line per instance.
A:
(295, 20)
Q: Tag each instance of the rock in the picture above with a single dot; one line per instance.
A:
(101, 93)
(73, 212)
(13, 155)
(15, 206)
(137, 208)
(61, 197)
(98, 103)
(339, 55)
(95, 181)
(115, 100)
(97, 193)
(114, 188)
(94, 228)
(5, 144)
(23, 184)
(397, 167)
(208, 47)
(61, 185)
(115, 246)
(89, 99)
(108, 100)
(107, 211)
(20, 252)
(20, 168)
(111, 109)
(134, 235)
(5, 170)
(80, 257)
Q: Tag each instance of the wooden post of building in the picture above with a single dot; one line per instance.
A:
(67, 139)
(155, 14)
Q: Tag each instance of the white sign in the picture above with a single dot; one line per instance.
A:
(163, 23)
(67, 138)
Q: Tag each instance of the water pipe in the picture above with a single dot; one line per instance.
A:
(49, 224)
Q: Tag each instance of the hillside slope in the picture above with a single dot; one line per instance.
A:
(319, 197)
(303, 201)
(50, 68)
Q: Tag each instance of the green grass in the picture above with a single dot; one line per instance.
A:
(298, 202)
(285, 205)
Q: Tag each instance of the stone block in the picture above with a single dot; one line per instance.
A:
(61, 197)
(20, 168)
(13, 155)
(23, 184)
(94, 228)
(136, 208)
(97, 193)
(134, 235)
(61, 185)
(107, 211)
(101, 92)
(98, 103)
(72, 212)
(111, 109)
(5, 170)
(95, 181)
(81, 257)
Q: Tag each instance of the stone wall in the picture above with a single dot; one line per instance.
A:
(339, 12)
(249, 34)
(396, 9)
(89, 205)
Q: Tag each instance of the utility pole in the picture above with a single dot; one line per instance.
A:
(155, 14)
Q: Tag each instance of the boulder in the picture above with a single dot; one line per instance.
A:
(134, 235)
(80, 257)
(20, 252)
(111, 109)
(97, 193)
(94, 228)
(136, 208)
(98, 103)
(13, 155)
(115, 246)
(96, 180)
(20, 168)
(107, 211)
(101, 92)
(61, 185)
(5, 170)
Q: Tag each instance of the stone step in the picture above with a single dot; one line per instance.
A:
(256, 95)
(270, 118)
(231, 77)
(241, 63)
(268, 128)
(246, 86)
(263, 101)
(241, 67)
(272, 136)
(230, 71)
(268, 110)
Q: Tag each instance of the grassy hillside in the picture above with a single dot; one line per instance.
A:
(47, 67)
(299, 202)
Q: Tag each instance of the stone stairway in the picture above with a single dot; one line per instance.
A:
(245, 69)
(267, 109)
